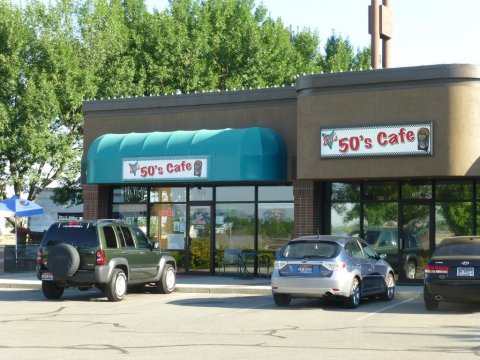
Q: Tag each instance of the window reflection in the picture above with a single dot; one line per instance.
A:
(168, 194)
(453, 219)
(135, 214)
(345, 218)
(235, 226)
(275, 225)
(417, 190)
(448, 191)
(344, 192)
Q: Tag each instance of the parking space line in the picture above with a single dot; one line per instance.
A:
(385, 308)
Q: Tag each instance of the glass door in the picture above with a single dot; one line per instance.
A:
(200, 238)
(415, 239)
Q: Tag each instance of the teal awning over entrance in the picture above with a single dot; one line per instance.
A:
(250, 154)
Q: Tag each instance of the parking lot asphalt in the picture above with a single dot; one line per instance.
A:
(196, 284)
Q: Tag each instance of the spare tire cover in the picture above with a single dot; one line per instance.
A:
(63, 260)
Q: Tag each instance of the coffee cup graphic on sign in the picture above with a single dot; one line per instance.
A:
(423, 139)
(197, 168)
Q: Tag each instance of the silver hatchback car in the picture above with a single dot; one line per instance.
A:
(328, 266)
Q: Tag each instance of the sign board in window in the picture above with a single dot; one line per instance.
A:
(381, 140)
(165, 169)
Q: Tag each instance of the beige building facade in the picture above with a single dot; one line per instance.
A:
(390, 155)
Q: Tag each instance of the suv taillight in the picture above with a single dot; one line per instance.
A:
(39, 256)
(101, 258)
(436, 269)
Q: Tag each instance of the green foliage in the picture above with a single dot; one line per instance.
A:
(55, 56)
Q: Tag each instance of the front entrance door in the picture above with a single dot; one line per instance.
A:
(414, 248)
(200, 238)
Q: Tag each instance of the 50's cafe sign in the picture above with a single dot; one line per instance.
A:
(387, 140)
(165, 169)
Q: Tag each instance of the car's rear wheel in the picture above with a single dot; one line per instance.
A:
(282, 300)
(390, 288)
(116, 288)
(51, 290)
(167, 282)
(430, 302)
(353, 300)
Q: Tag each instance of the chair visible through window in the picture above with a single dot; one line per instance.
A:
(231, 262)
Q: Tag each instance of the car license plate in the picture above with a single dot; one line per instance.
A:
(465, 271)
(304, 269)
(47, 276)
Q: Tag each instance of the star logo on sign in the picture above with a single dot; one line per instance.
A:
(133, 168)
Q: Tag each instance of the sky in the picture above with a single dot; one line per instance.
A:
(425, 32)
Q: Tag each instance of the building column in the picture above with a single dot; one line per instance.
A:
(307, 208)
(95, 202)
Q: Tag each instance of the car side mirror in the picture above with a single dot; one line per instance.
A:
(383, 256)
(154, 245)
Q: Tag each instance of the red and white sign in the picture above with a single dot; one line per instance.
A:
(165, 169)
(387, 140)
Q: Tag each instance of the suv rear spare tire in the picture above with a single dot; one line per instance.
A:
(63, 260)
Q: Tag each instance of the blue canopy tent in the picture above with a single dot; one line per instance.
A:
(16, 207)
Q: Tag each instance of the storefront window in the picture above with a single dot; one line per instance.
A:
(344, 192)
(275, 225)
(275, 193)
(453, 191)
(453, 219)
(201, 193)
(135, 214)
(130, 194)
(387, 191)
(345, 218)
(380, 229)
(417, 190)
(167, 226)
(235, 226)
(235, 193)
(168, 194)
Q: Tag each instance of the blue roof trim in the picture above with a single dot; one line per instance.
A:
(249, 154)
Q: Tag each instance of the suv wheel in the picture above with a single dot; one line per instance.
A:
(167, 282)
(51, 290)
(116, 288)
(63, 260)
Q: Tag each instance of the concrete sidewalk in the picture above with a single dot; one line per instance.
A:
(197, 284)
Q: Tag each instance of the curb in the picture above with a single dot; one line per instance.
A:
(402, 294)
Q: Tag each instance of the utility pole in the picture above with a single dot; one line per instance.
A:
(380, 27)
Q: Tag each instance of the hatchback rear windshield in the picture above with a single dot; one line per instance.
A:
(310, 249)
(79, 234)
(458, 249)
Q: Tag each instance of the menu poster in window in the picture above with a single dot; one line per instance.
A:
(176, 241)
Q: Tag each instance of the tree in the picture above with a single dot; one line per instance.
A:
(41, 106)
(53, 57)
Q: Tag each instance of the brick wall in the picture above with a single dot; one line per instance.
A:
(95, 202)
(307, 214)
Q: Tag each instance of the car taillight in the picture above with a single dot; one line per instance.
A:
(436, 269)
(39, 256)
(101, 258)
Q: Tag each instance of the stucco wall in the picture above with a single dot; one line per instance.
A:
(446, 95)
(270, 108)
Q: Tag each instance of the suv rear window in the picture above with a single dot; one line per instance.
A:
(75, 234)
(298, 250)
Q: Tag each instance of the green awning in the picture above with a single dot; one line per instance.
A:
(250, 154)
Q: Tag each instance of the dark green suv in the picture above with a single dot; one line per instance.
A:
(107, 254)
